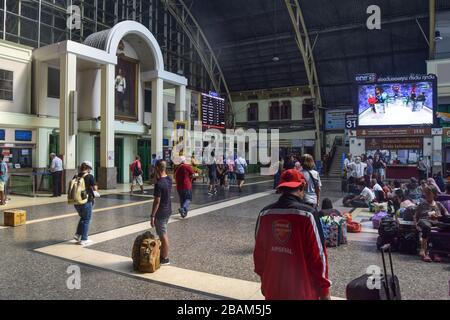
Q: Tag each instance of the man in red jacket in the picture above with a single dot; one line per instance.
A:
(290, 255)
(183, 176)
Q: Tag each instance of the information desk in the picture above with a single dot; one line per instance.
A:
(401, 171)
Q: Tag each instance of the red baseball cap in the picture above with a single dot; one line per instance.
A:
(291, 178)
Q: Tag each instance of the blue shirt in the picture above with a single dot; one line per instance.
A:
(4, 172)
(240, 165)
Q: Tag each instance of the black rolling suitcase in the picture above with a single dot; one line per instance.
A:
(366, 288)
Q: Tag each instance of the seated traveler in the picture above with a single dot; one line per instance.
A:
(428, 213)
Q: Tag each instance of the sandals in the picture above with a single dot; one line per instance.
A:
(426, 258)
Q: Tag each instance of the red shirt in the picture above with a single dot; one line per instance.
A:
(183, 177)
(134, 164)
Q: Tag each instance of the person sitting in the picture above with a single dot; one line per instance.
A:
(327, 209)
(378, 191)
(363, 199)
(433, 182)
(428, 213)
(413, 190)
(400, 201)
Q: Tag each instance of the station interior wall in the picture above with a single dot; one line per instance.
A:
(41, 114)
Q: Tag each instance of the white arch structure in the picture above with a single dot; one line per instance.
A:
(101, 49)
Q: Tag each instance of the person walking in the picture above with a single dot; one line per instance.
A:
(56, 169)
(136, 175)
(241, 165)
(290, 255)
(85, 210)
(314, 185)
(162, 208)
(212, 174)
(183, 177)
(152, 169)
(222, 174)
(3, 179)
(277, 175)
(231, 171)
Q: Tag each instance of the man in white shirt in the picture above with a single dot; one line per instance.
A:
(347, 169)
(358, 168)
(363, 199)
(56, 169)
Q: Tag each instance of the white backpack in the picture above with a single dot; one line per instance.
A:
(77, 194)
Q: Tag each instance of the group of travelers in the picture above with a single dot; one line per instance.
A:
(228, 171)
(184, 174)
(428, 199)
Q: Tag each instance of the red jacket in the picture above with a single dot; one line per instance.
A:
(290, 256)
(372, 100)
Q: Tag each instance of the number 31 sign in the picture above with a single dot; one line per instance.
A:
(350, 120)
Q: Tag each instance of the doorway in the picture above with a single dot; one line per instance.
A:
(118, 158)
(54, 143)
(144, 151)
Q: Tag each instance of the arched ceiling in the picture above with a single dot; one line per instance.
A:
(247, 34)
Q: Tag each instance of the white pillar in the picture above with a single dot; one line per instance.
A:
(107, 174)
(107, 101)
(157, 117)
(180, 103)
(68, 82)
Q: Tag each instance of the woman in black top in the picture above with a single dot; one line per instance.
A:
(85, 210)
(378, 167)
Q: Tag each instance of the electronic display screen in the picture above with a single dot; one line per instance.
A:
(401, 103)
(2, 135)
(23, 135)
(213, 111)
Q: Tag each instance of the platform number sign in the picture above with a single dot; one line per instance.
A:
(351, 121)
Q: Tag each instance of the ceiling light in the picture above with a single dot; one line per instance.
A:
(437, 36)
(276, 58)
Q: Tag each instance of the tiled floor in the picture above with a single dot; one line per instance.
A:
(211, 252)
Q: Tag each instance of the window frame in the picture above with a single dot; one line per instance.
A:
(4, 91)
(253, 111)
(52, 94)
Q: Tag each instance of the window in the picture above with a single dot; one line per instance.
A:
(171, 112)
(252, 112)
(307, 109)
(53, 83)
(274, 110)
(286, 110)
(6, 85)
(148, 100)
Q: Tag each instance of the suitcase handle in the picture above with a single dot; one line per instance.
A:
(387, 247)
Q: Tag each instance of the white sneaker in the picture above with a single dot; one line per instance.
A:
(77, 237)
(85, 243)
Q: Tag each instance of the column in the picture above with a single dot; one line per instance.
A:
(157, 117)
(180, 103)
(68, 83)
(107, 176)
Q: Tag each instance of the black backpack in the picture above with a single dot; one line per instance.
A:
(136, 171)
(389, 227)
(409, 213)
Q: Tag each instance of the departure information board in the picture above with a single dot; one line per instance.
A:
(213, 111)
